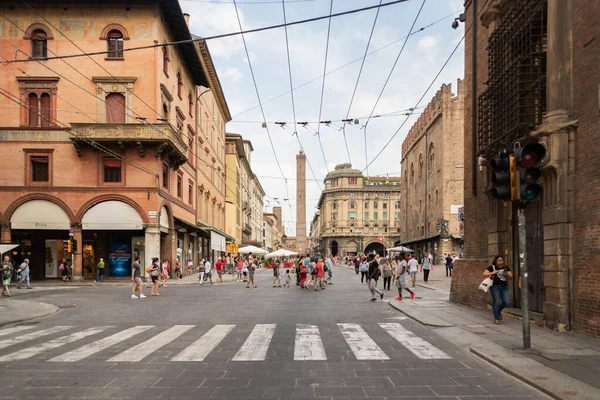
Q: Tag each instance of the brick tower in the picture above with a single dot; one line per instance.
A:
(301, 238)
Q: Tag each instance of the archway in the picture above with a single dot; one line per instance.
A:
(352, 248)
(375, 247)
(334, 248)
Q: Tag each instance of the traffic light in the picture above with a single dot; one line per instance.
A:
(528, 172)
(69, 246)
(500, 176)
(74, 245)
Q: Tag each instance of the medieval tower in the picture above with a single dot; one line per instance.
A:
(301, 238)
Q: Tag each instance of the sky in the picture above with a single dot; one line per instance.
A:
(424, 54)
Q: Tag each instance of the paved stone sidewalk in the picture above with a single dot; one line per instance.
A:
(564, 365)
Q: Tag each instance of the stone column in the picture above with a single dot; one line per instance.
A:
(151, 245)
(557, 133)
(78, 255)
(6, 233)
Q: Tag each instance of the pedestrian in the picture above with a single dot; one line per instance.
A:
(24, 271)
(387, 275)
(297, 262)
(374, 272)
(413, 267)
(64, 272)
(364, 269)
(402, 278)
(251, 267)
(177, 270)
(448, 261)
(6, 269)
(356, 262)
(319, 275)
(137, 281)
(329, 264)
(500, 273)
(164, 273)
(427, 267)
(288, 278)
(303, 274)
(190, 267)
(309, 265)
(219, 268)
(154, 275)
(207, 272)
(395, 262)
(430, 256)
(100, 277)
(240, 267)
(276, 277)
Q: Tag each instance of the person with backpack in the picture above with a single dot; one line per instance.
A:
(402, 279)
(374, 272)
(364, 269)
(6, 270)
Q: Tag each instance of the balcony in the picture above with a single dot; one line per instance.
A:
(160, 138)
(247, 228)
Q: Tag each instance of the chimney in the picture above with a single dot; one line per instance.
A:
(186, 16)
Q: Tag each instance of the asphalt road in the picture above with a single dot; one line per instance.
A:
(232, 342)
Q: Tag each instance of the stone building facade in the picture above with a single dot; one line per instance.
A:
(356, 214)
(112, 150)
(433, 179)
(549, 44)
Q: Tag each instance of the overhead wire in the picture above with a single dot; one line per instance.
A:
(258, 97)
(387, 81)
(224, 35)
(349, 63)
(362, 64)
(287, 47)
(323, 86)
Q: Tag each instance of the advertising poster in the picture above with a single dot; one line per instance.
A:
(119, 259)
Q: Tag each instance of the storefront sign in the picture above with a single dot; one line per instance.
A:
(217, 242)
(119, 259)
(152, 214)
(380, 238)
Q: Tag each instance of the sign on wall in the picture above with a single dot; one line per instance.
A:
(119, 259)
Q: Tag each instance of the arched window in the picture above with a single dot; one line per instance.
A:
(45, 106)
(179, 85)
(420, 165)
(412, 173)
(39, 44)
(115, 44)
(431, 157)
(40, 112)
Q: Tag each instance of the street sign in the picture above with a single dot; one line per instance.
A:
(380, 238)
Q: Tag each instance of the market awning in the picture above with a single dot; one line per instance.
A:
(7, 247)
(425, 238)
(40, 214)
(209, 229)
(112, 215)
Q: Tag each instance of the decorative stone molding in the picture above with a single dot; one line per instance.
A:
(112, 27)
(106, 85)
(37, 27)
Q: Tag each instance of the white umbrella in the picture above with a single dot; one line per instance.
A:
(252, 249)
(401, 249)
(7, 247)
(281, 253)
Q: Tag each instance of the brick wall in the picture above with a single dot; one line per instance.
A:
(586, 254)
(466, 277)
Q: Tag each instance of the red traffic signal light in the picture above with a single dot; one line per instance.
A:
(530, 155)
(529, 159)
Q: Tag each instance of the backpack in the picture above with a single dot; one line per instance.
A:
(325, 268)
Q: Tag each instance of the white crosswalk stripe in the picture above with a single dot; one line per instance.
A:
(361, 344)
(15, 329)
(418, 346)
(143, 350)
(53, 344)
(99, 345)
(309, 345)
(202, 347)
(30, 336)
(256, 346)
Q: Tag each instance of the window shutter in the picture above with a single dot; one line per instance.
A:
(33, 110)
(45, 108)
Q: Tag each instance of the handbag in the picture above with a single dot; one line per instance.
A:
(486, 284)
(154, 272)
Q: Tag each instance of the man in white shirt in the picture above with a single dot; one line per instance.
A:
(413, 267)
(207, 274)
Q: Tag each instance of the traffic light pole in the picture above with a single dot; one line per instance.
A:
(524, 276)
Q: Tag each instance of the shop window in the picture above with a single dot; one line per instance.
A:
(179, 186)
(115, 108)
(112, 170)
(40, 168)
(115, 44)
(165, 176)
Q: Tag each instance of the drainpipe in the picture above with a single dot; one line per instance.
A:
(474, 103)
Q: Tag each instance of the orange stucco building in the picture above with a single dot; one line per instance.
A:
(124, 150)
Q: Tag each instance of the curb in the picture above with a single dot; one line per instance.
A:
(545, 379)
(53, 310)
(426, 286)
(423, 319)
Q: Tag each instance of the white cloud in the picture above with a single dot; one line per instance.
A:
(233, 73)
(428, 43)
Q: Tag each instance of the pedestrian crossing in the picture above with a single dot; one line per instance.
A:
(308, 343)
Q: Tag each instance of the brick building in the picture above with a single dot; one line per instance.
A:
(113, 148)
(433, 184)
(537, 80)
(356, 214)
